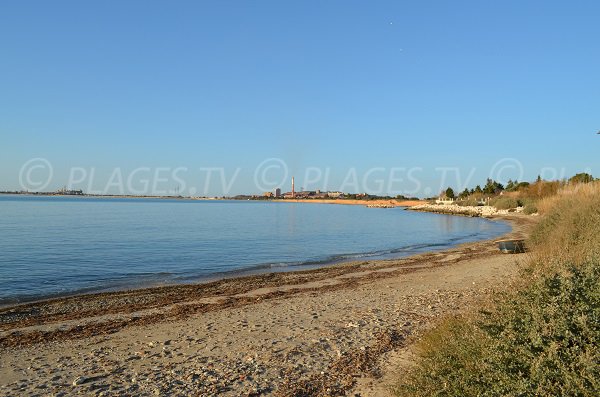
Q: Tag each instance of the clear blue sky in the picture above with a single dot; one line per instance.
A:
(338, 84)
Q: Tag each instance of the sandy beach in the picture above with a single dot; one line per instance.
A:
(374, 203)
(340, 330)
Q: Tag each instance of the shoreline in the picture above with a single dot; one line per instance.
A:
(215, 282)
(484, 211)
(391, 203)
(237, 336)
(253, 271)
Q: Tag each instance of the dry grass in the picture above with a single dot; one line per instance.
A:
(579, 192)
(542, 338)
(542, 189)
(570, 229)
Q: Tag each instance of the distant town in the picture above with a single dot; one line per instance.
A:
(60, 192)
(276, 194)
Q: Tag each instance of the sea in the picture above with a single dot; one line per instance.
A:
(53, 246)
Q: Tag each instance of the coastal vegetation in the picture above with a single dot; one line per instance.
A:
(515, 194)
(540, 337)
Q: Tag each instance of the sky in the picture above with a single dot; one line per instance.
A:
(228, 97)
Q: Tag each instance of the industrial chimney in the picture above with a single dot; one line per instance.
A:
(293, 191)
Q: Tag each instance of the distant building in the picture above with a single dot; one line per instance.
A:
(303, 195)
(334, 194)
(68, 192)
(267, 194)
(277, 192)
(444, 200)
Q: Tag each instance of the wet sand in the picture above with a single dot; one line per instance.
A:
(340, 330)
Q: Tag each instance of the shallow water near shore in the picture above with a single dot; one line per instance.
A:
(55, 246)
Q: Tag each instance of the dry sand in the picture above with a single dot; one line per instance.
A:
(341, 330)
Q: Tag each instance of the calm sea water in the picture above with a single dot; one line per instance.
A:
(52, 246)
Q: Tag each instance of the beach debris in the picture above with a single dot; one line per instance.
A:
(80, 380)
(511, 246)
(381, 205)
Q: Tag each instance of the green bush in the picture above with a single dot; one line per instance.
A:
(504, 203)
(468, 202)
(543, 341)
(529, 205)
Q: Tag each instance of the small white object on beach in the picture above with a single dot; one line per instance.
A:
(80, 380)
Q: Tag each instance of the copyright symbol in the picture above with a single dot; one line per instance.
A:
(270, 174)
(504, 166)
(35, 175)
